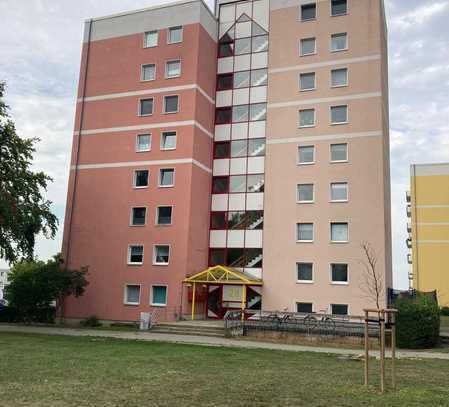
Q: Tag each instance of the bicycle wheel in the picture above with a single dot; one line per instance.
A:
(310, 322)
(329, 324)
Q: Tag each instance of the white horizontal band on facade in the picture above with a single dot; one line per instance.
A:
(145, 127)
(304, 102)
(280, 4)
(142, 163)
(333, 62)
(432, 241)
(145, 92)
(430, 206)
(432, 223)
(325, 137)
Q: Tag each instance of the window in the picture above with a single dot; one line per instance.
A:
(166, 177)
(135, 254)
(305, 193)
(220, 185)
(339, 191)
(163, 215)
(132, 294)
(339, 77)
(339, 309)
(222, 149)
(224, 82)
(148, 72)
(339, 273)
(218, 220)
(225, 49)
(237, 183)
(150, 39)
(168, 140)
(260, 43)
(304, 307)
(339, 114)
(256, 183)
(141, 178)
(308, 12)
(173, 68)
(174, 35)
(307, 81)
(159, 295)
(259, 77)
(138, 216)
(307, 118)
(339, 7)
(339, 232)
(256, 147)
(161, 254)
(242, 46)
(217, 256)
(171, 104)
(143, 142)
(240, 113)
(146, 107)
(339, 152)
(304, 232)
(223, 115)
(339, 42)
(304, 272)
(239, 148)
(306, 154)
(258, 111)
(307, 46)
(241, 79)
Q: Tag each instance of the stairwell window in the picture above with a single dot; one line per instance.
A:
(304, 232)
(307, 118)
(138, 216)
(141, 178)
(339, 114)
(171, 104)
(304, 272)
(237, 184)
(166, 177)
(148, 72)
(339, 273)
(255, 183)
(173, 68)
(305, 193)
(164, 215)
(257, 111)
(150, 39)
(339, 232)
(168, 140)
(146, 107)
(339, 192)
(339, 7)
(135, 254)
(308, 12)
(161, 254)
(143, 142)
(339, 77)
(306, 155)
(307, 46)
(158, 295)
(132, 294)
(174, 35)
(304, 307)
(307, 81)
(256, 147)
(339, 42)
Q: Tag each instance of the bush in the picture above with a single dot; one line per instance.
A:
(418, 322)
(91, 321)
(444, 311)
(41, 315)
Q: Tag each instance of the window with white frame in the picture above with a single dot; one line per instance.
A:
(168, 140)
(161, 254)
(159, 295)
(166, 177)
(148, 72)
(305, 193)
(132, 294)
(304, 272)
(307, 81)
(307, 118)
(339, 309)
(146, 107)
(135, 254)
(304, 232)
(339, 191)
(339, 114)
(174, 35)
(164, 215)
(339, 42)
(138, 216)
(307, 46)
(143, 142)
(339, 232)
(308, 11)
(304, 307)
(339, 152)
(339, 273)
(171, 104)
(150, 39)
(173, 68)
(339, 77)
(306, 154)
(339, 7)
(141, 178)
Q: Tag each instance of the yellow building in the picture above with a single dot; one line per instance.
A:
(428, 210)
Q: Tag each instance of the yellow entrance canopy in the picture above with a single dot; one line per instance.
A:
(222, 275)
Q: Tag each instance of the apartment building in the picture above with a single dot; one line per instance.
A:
(235, 159)
(428, 228)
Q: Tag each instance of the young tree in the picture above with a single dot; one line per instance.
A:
(373, 285)
(24, 212)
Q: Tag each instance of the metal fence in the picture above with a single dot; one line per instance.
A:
(393, 295)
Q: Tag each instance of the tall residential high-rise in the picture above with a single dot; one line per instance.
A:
(256, 139)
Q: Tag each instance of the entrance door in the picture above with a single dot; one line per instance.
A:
(214, 307)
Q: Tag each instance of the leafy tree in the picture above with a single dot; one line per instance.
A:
(23, 210)
(34, 286)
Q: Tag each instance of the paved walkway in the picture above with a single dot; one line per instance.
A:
(207, 341)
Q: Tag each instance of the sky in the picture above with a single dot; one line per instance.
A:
(40, 47)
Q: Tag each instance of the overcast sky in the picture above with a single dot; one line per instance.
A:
(40, 45)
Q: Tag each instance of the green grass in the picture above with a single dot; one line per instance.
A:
(39, 370)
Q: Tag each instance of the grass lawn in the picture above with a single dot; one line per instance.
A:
(38, 370)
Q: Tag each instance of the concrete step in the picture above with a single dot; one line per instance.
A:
(189, 331)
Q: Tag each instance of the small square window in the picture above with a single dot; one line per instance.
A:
(174, 35)
(339, 309)
(339, 114)
(217, 256)
(256, 147)
(339, 191)
(166, 177)
(339, 7)
(132, 294)
(304, 307)
(259, 77)
(164, 215)
(237, 183)
(161, 254)
(168, 140)
(223, 115)
(218, 220)
(339, 232)
(304, 272)
(159, 295)
(141, 178)
(239, 148)
(306, 155)
(138, 216)
(339, 77)
(241, 79)
(308, 12)
(171, 104)
(220, 185)
(146, 107)
(150, 39)
(307, 46)
(260, 43)
(135, 254)
(307, 81)
(224, 81)
(339, 42)
(225, 49)
(143, 142)
(242, 46)
(307, 118)
(257, 111)
(222, 149)
(304, 232)
(339, 152)
(173, 68)
(256, 183)
(339, 273)
(240, 113)
(148, 72)
(305, 193)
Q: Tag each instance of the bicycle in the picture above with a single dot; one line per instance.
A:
(323, 322)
